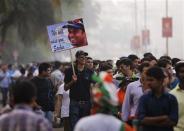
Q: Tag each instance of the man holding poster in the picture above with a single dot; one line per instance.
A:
(79, 86)
(66, 36)
(76, 32)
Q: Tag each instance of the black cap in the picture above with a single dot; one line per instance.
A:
(75, 24)
(80, 52)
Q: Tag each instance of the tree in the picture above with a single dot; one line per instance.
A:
(30, 17)
(25, 19)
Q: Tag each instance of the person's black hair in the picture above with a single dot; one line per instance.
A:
(153, 58)
(123, 57)
(23, 92)
(127, 62)
(133, 57)
(145, 59)
(105, 66)
(57, 64)
(43, 67)
(22, 71)
(179, 65)
(155, 72)
(89, 58)
(166, 57)
(174, 61)
(10, 66)
(163, 62)
(80, 52)
(96, 62)
(110, 61)
(148, 54)
(118, 63)
(142, 66)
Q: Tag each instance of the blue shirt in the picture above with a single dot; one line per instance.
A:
(174, 83)
(151, 106)
(133, 93)
(5, 79)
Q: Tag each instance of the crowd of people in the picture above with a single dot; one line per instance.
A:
(126, 95)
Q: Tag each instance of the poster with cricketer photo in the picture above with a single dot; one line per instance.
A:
(67, 35)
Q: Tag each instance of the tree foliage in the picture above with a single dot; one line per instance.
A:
(29, 17)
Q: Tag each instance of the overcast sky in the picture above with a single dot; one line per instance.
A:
(110, 26)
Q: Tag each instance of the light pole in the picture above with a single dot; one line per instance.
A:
(167, 39)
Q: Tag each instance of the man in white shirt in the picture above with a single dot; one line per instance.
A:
(62, 105)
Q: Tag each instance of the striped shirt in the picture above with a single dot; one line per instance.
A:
(22, 118)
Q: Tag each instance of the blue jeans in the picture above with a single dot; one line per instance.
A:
(77, 111)
(4, 95)
(48, 115)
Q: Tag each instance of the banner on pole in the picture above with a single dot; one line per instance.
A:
(145, 37)
(135, 42)
(67, 35)
(167, 27)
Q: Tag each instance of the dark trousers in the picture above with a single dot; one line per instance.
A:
(4, 95)
(66, 124)
(78, 109)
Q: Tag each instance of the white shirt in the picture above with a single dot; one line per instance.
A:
(65, 101)
(98, 122)
(36, 72)
(16, 74)
(58, 74)
(57, 77)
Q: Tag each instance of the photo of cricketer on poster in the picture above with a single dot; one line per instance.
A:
(67, 35)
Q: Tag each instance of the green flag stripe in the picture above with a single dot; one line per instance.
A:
(122, 127)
